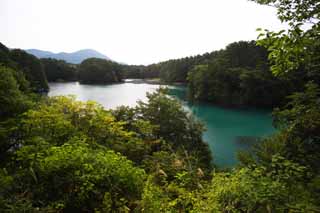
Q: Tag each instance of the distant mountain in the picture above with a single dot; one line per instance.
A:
(74, 57)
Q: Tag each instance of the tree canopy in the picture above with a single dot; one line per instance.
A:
(59, 70)
(32, 69)
(95, 70)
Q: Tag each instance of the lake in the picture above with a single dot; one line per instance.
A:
(227, 130)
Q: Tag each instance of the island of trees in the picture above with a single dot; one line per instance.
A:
(61, 155)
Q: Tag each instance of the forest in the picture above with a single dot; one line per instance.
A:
(62, 155)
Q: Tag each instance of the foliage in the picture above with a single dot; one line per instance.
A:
(171, 198)
(296, 48)
(64, 158)
(140, 71)
(12, 100)
(28, 71)
(59, 70)
(277, 188)
(75, 177)
(171, 71)
(295, 11)
(95, 70)
(180, 129)
(300, 125)
(238, 76)
(32, 69)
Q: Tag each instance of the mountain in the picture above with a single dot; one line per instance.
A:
(74, 57)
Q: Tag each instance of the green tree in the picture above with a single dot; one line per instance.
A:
(95, 70)
(179, 128)
(59, 70)
(32, 69)
(239, 76)
(280, 187)
(297, 47)
(75, 177)
(12, 100)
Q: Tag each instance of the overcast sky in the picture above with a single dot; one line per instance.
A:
(132, 31)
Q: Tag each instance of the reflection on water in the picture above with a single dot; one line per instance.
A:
(110, 96)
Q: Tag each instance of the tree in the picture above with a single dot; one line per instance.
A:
(280, 187)
(75, 177)
(32, 69)
(95, 70)
(299, 123)
(239, 76)
(58, 70)
(179, 129)
(12, 100)
(297, 47)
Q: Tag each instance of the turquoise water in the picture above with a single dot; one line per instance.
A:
(225, 127)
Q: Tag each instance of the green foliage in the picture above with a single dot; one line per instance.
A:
(298, 143)
(59, 70)
(63, 159)
(171, 198)
(298, 47)
(78, 178)
(95, 70)
(238, 76)
(300, 125)
(180, 129)
(5, 55)
(279, 188)
(32, 69)
(15, 98)
(177, 70)
(12, 100)
(198, 84)
(140, 71)
(295, 11)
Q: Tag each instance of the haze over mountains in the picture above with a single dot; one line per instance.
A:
(74, 57)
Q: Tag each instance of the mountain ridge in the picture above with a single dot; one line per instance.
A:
(74, 57)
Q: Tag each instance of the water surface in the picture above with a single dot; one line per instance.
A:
(228, 130)
(109, 96)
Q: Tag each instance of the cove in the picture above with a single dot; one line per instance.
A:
(227, 130)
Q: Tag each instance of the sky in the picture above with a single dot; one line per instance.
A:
(132, 31)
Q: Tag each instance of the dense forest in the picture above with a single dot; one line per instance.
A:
(237, 76)
(95, 70)
(59, 70)
(61, 155)
(28, 67)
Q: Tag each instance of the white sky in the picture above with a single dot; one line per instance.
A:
(132, 31)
